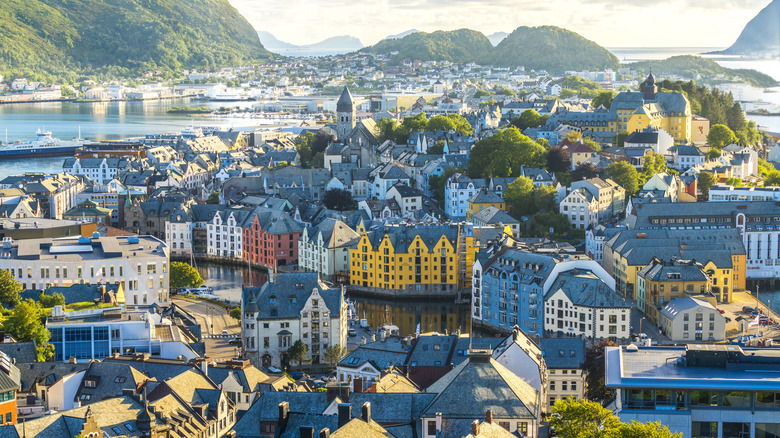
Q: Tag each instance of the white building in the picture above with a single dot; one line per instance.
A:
(651, 137)
(99, 170)
(288, 308)
(691, 319)
(225, 233)
(581, 208)
(564, 358)
(457, 192)
(327, 245)
(139, 263)
(408, 198)
(723, 192)
(384, 176)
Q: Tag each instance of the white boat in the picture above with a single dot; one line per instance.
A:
(44, 145)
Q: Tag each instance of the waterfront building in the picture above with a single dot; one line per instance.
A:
(139, 263)
(226, 233)
(99, 170)
(325, 248)
(662, 281)
(288, 308)
(697, 390)
(690, 319)
(271, 238)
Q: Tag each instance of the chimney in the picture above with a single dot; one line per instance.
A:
(306, 432)
(284, 411)
(365, 412)
(325, 433)
(345, 414)
(204, 366)
(489, 416)
(357, 384)
(475, 427)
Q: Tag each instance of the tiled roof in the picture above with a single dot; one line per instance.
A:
(584, 288)
(563, 352)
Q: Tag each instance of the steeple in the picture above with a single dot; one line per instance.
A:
(650, 88)
(345, 115)
(345, 101)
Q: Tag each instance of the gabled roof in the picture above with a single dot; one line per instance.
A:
(286, 295)
(584, 288)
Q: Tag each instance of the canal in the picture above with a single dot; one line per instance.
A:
(432, 316)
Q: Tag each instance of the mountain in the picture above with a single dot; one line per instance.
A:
(688, 65)
(761, 36)
(71, 38)
(344, 43)
(551, 48)
(398, 36)
(547, 47)
(497, 37)
(462, 45)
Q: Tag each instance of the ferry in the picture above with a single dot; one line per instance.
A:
(44, 145)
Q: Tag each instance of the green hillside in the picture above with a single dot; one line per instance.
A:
(460, 45)
(66, 38)
(553, 49)
(690, 66)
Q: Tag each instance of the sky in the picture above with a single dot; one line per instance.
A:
(610, 23)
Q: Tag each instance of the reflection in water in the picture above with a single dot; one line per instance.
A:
(432, 316)
(227, 280)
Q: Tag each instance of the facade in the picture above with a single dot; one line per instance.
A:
(457, 192)
(657, 139)
(9, 385)
(138, 263)
(566, 375)
(697, 390)
(325, 248)
(408, 199)
(691, 319)
(662, 281)
(383, 177)
(404, 257)
(723, 192)
(484, 199)
(226, 233)
(288, 308)
(581, 208)
(99, 170)
(610, 197)
(271, 238)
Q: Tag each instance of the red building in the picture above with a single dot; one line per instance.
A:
(271, 238)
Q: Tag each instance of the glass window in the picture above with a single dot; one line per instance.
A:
(736, 430)
(704, 429)
(704, 398)
(767, 430)
(737, 399)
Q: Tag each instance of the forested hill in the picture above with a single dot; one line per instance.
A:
(761, 36)
(462, 45)
(545, 47)
(62, 38)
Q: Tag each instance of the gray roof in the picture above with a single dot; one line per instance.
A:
(45, 373)
(673, 270)
(392, 408)
(286, 295)
(584, 288)
(266, 409)
(110, 380)
(563, 352)
(345, 102)
(401, 237)
(22, 352)
(493, 215)
(380, 354)
(432, 351)
(485, 196)
(678, 305)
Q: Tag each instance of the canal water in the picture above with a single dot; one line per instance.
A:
(432, 316)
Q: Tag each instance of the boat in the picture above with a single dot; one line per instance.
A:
(44, 145)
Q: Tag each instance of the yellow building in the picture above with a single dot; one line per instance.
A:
(662, 281)
(402, 257)
(670, 111)
(484, 199)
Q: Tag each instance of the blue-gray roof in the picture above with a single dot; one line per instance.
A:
(286, 295)
(562, 353)
(584, 288)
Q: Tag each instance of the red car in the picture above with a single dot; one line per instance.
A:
(721, 311)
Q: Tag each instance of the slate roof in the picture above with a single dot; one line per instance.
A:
(432, 351)
(478, 384)
(392, 408)
(359, 428)
(673, 270)
(297, 420)
(485, 197)
(335, 233)
(406, 191)
(23, 352)
(586, 289)
(643, 137)
(492, 215)
(45, 373)
(562, 353)
(110, 380)
(266, 409)
(380, 354)
(345, 102)
(283, 287)
(401, 237)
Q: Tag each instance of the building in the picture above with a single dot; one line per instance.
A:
(609, 196)
(288, 308)
(565, 362)
(94, 335)
(36, 228)
(383, 177)
(670, 111)
(409, 199)
(99, 170)
(243, 383)
(697, 390)
(89, 212)
(458, 190)
(686, 156)
(226, 232)
(578, 151)
(724, 192)
(9, 385)
(484, 199)
(756, 221)
(581, 208)
(405, 257)
(662, 281)
(271, 238)
(139, 263)
(345, 115)
(689, 319)
(325, 248)
(493, 217)
(650, 137)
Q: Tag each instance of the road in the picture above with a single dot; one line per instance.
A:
(647, 327)
(213, 320)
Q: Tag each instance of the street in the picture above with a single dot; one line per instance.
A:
(640, 324)
(213, 320)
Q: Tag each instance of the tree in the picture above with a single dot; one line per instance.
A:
(416, 123)
(25, 325)
(297, 352)
(594, 365)
(10, 289)
(436, 184)
(584, 171)
(503, 153)
(387, 129)
(603, 98)
(646, 430)
(705, 181)
(437, 149)
(713, 154)
(334, 353)
(461, 124)
(772, 178)
(338, 199)
(545, 197)
(625, 175)
(519, 195)
(559, 160)
(542, 222)
(49, 301)
(184, 275)
(440, 123)
(720, 136)
(591, 144)
(213, 198)
(235, 313)
(654, 163)
(582, 419)
(734, 182)
(620, 139)
(527, 119)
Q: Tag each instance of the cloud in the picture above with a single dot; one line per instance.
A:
(612, 23)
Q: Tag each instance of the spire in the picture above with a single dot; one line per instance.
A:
(345, 101)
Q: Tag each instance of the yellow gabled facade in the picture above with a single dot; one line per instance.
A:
(476, 207)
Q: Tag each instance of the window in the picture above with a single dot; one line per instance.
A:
(120, 379)
(432, 428)
(736, 430)
(737, 399)
(90, 383)
(704, 398)
(85, 397)
(704, 429)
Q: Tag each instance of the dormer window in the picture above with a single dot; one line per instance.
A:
(293, 299)
(272, 299)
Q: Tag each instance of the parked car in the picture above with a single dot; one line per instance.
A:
(748, 309)
(721, 311)
(352, 332)
(235, 341)
(224, 332)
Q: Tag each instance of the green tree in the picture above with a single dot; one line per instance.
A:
(387, 130)
(625, 175)
(591, 144)
(440, 123)
(603, 98)
(594, 365)
(25, 324)
(772, 178)
(297, 352)
(437, 149)
(654, 163)
(416, 123)
(544, 198)
(461, 124)
(519, 195)
(713, 154)
(9, 289)
(235, 313)
(582, 419)
(334, 353)
(503, 153)
(646, 430)
(213, 198)
(705, 181)
(734, 182)
(436, 184)
(49, 301)
(720, 136)
(542, 222)
(184, 275)
(527, 119)
(338, 199)
(620, 139)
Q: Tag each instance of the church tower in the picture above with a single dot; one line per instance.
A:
(345, 115)
(650, 88)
